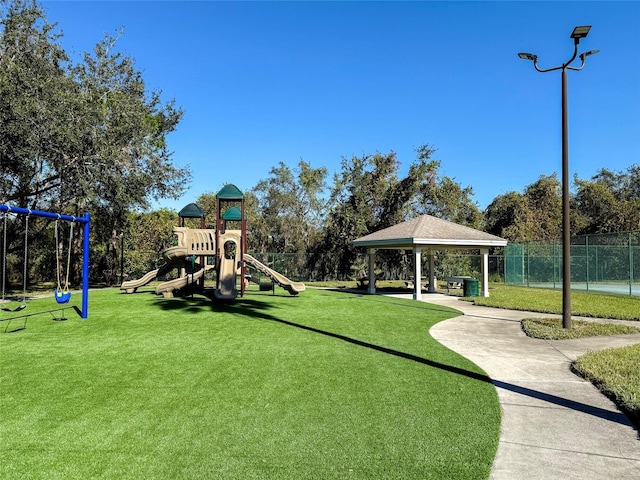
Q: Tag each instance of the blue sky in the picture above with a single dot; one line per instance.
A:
(268, 82)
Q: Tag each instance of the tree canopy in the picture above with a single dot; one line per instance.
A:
(368, 195)
(84, 136)
(608, 202)
(535, 214)
(291, 208)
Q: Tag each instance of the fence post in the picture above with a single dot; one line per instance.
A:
(586, 254)
(630, 266)
(528, 270)
(553, 255)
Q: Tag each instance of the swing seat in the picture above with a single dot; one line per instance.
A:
(61, 296)
(17, 309)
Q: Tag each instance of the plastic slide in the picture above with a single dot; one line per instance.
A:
(293, 288)
(173, 257)
(227, 279)
(131, 286)
(167, 288)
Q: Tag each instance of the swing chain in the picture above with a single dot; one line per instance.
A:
(66, 286)
(4, 254)
(24, 270)
(4, 262)
(66, 280)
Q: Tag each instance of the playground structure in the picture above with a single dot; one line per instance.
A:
(226, 247)
(61, 296)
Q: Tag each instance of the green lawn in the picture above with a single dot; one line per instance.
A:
(615, 372)
(544, 300)
(320, 386)
(551, 329)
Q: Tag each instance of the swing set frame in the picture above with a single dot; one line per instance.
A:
(85, 221)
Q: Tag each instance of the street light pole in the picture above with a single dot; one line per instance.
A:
(566, 212)
(577, 34)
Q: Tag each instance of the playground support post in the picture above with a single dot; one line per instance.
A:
(85, 221)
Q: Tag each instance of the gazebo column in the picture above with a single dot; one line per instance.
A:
(417, 284)
(432, 277)
(485, 271)
(372, 275)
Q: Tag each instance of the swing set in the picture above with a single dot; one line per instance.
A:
(61, 294)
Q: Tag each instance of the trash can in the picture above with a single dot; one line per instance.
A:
(266, 286)
(471, 287)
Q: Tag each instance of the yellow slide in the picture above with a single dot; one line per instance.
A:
(290, 286)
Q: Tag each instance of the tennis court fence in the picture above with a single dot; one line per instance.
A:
(603, 262)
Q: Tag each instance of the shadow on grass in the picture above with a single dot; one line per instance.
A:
(363, 295)
(198, 303)
(22, 318)
(258, 309)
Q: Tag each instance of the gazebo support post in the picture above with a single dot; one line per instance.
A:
(485, 271)
(417, 284)
(372, 274)
(432, 276)
(432, 235)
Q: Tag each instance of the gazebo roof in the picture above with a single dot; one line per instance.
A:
(429, 231)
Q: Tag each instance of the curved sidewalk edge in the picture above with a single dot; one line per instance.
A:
(555, 425)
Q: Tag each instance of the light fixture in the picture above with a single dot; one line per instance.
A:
(586, 54)
(580, 32)
(528, 56)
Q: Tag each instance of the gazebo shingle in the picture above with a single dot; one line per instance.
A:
(429, 231)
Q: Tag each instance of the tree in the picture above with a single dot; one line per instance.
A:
(37, 98)
(442, 197)
(85, 137)
(356, 206)
(609, 201)
(86, 134)
(146, 236)
(291, 206)
(257, 226)
(544, 199)
(207, 203)
(122, 160)
(535, 214)
(505, 214)
(367, 196)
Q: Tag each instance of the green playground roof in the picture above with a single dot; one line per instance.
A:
(191, 211)
(230, 192)
(234, 213)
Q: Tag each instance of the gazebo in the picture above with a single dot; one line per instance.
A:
(431, 234)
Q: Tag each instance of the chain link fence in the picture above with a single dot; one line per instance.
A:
(607, 263)
(297, 267)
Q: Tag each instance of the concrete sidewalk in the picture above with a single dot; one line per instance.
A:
(555, 425)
